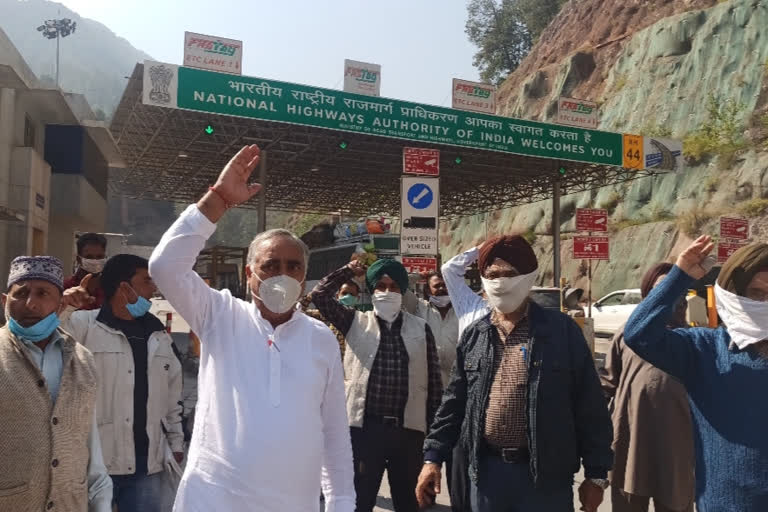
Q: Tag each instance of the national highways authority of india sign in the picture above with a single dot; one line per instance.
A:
(172, 86)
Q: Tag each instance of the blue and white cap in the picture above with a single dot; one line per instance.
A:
(43, 268)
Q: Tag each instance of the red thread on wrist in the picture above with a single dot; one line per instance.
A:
(227, 204)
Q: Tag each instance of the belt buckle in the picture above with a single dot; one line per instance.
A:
(510, 455)
(391, 421)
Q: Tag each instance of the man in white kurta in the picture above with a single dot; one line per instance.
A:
(271, 424)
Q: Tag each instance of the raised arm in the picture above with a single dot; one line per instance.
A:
(646, 332)
(173, 260)
(465, 302)
(324, 297)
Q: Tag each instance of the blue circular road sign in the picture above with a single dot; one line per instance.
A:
(420, 196)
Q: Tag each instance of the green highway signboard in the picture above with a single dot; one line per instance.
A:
(172, 86)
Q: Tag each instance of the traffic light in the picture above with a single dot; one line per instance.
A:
(457, 160)
(561, 171)
(343, 144)
(209, 129)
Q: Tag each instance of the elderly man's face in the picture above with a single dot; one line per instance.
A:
(387, 284)
(757, 289)
(28, 302)
(274, 257)
(500, 268)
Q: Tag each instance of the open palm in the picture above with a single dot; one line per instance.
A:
(233, 183)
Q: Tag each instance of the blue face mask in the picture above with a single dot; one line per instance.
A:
(348, 300)
(138, 308)
(37, 332)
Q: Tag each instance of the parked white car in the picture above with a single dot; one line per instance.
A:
(612, 311)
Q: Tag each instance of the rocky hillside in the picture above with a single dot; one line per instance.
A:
(655, 67)
(94, 61)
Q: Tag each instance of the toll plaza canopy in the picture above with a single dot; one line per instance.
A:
(329, 150)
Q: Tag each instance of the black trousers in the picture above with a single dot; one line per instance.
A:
(377, 447)
(457, 473)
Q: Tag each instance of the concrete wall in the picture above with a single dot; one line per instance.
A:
(7, 142)
(30, 185)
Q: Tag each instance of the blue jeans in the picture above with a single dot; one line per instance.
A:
(503, 487)
(138, 492)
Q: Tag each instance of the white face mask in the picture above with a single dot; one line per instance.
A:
(92, 266)
(279, 294)
(746, 319)
(440, 301)
(506, 294)
(387, 305)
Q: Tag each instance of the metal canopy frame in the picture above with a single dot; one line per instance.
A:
(169, 156)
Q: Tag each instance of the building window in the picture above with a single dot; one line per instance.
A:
(29, 132)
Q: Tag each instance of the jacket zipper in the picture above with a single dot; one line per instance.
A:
(531, 398)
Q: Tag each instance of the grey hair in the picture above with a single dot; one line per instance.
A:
(276, 233)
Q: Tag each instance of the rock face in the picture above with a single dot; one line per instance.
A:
(650, 64)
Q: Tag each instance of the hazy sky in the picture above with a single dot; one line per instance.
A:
(420, 44)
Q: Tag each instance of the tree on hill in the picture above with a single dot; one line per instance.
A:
(504, 31)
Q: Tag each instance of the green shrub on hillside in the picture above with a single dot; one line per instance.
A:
(754, 207)
(692, 221)
(530, 236)
(722, 134)
(653, 129)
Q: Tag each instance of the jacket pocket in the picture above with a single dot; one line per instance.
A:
(13, 491)
(108, 444)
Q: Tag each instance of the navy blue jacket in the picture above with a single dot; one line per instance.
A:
(568, 419)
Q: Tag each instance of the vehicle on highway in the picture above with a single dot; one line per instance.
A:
(612, 311)
(549, 298)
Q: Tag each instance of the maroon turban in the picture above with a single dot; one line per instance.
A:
(515, 250)
(650, 277)
(742, 267)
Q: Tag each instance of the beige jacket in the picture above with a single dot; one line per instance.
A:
(114, 403)
(44, 446)
(363, 344)
(653, 434)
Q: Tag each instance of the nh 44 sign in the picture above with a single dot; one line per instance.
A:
(734, 229)
(726, 249)
(590, 219)
(419, 265)
(591, 248)
(425, 162)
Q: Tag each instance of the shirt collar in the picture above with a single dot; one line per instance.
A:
(256, 312)
(56, 338)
